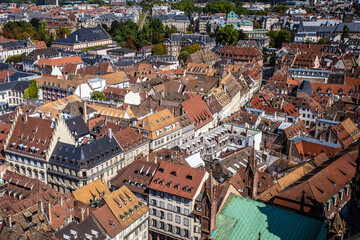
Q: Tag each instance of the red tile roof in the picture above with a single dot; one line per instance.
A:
(59, 61)
(31, 136)
(346, 132)
(129, 139)
(177, 179)
(198, 112)
(321, 184)
(295, 129)
(336, 89)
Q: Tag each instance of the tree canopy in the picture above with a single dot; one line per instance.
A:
(187, 50)
(218, 7)
(159, 49)
(279, 37)
(96, 95)
(227, 35)
(15, 58)
(32, 90)
(280, 8)
(187, 6)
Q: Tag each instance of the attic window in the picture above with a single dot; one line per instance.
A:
(161, 170)
(176, 186)
(189, 177)
(173, 173)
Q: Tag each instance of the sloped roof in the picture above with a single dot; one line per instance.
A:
(197, 111)
(233, 222)
(31, 136)
(85, 35)
(96, 189)
(125, 206)
(176, 179)
(322, 183)
(60, 61)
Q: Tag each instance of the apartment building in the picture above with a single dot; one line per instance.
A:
(172, 194)
(16, 47)
(162, 128)
(31, 141)
(133, 144)
(71, 166)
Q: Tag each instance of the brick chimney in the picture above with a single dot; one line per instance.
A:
(85, 112)
(48, 211)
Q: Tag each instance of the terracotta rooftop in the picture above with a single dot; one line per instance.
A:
(177, 179)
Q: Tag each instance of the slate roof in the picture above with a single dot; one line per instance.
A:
(42, 52)
(17, 44)
(233, 222)
(85, 156)
(89, 227)
(191, 38)
(306, 87)
(15, 86)
(85, 35)
(77, 126)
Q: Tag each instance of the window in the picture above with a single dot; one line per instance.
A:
(186, 211)
(186, 201)
(341, 194)
(177, 219)
(162, 205)
(154, 202)
(347, 189)
(170, 228)
(186, 221)
(177, 230)
(178, 209)
(335, 200)
(169, 216)
(169, 207)
(170, 198)
(178, 200)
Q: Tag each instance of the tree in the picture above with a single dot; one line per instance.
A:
(346, 32)
(256, 24)
(308, 41)
(190, 29)
(218, 7)
(97, 95)
(277, 38)
(157, 26)
(186, 51)
(130, 42)
(32, 90)
(184, 5)
(242, 35)
(227, 35)
(62, 32)
(169, 31)
(159, 49)
(321, 41)
(15, 58)
(280, 8)
(50, 40)
(183, 56)
(284, 36)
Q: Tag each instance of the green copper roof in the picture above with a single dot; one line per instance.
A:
(242, 218)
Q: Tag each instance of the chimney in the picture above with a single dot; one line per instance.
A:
(155, 159)
(61, 201)
(81, 214)
(9, 221)
(76, 38)
(255, 185)
(110, 135)
(218, 140)
(48, 211)
(25, 117)
(41, 206)
(232, 128)
(247, 132)
(85, 112)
